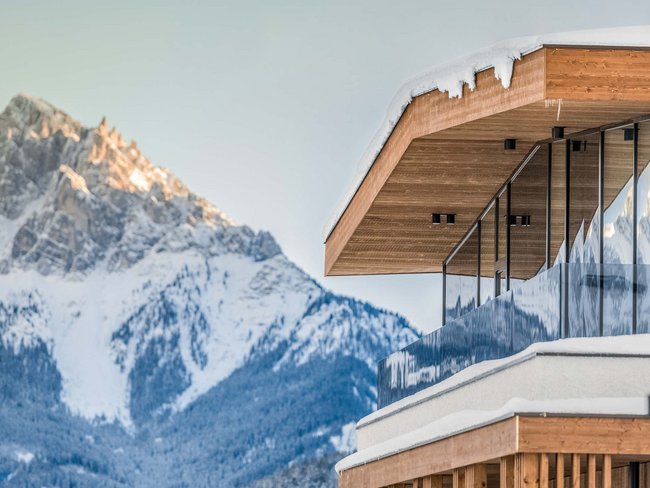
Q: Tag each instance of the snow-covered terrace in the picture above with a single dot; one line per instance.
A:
(587, 377)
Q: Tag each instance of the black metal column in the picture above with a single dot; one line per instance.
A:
(635, 210)
(508, 212)
(478, 265)
(633, 475)
(567, 230)
(601, 227)
(444, 293)
(497, 285)
(549, 183)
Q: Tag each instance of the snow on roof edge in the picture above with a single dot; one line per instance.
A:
(466, 420)
(450, 77)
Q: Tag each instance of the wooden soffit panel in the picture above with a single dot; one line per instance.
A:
(446, 155)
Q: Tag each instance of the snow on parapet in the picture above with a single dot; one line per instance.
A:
(625, 345)
(450, 77)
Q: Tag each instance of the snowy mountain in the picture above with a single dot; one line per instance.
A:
(149, 340)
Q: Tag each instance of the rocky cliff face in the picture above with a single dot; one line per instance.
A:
(146, 337)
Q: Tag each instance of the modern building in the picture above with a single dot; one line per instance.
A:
(521, 173)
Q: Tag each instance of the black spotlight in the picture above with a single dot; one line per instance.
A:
(451, 219)
(435, 219)
(525, 220)
(628, 134)
(513, 220)
(557, 133)
(510, 144)
(578, 146)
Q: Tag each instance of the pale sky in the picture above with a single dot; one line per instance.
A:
(263, 107)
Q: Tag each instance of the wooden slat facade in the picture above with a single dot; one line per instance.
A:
(520, 452)
(447, 155)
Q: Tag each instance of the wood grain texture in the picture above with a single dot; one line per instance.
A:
(575, 471)
(526, 470)
(585, 435)
(597, 74)
(447, 155)
(476, 476)
(607, 471)
(559, 471)
(507, 472)
(591, 471)
(543, 470)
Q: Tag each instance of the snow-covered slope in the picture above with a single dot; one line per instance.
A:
(146, 298)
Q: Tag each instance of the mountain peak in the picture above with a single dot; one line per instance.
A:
(34, 117)
(79, 196)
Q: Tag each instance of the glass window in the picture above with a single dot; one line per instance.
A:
(583, 205)
(487, 255)
(617, 232)
(643, 230)
(584, 237)
(528, 219)
(462, 279)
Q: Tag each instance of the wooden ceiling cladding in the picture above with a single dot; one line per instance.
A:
(446, 155)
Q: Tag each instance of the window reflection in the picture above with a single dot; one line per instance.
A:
(584, 237)
(488, 256)
(461, 286)
(617, 232)
(643, 229)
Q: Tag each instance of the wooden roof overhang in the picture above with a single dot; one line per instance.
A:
(446, 155)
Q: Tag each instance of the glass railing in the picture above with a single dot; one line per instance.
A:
(533, 311)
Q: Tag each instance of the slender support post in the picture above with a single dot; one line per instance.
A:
(526, 471)
(559, 471)
(478, 265)
(567, 233)
(433, 481)
(591, 471)
(543, 470)
(476, 476)
(444, 294)
(601, 236)
(634, 475)
(607, 471)
(458, 478)
(509, 212)
(575, 471)
(635, 210)
(549, 184)
(497, 285)
(507, 472)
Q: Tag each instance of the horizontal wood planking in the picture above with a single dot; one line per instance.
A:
(386, 227)
(582, 435)
(597, 74)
